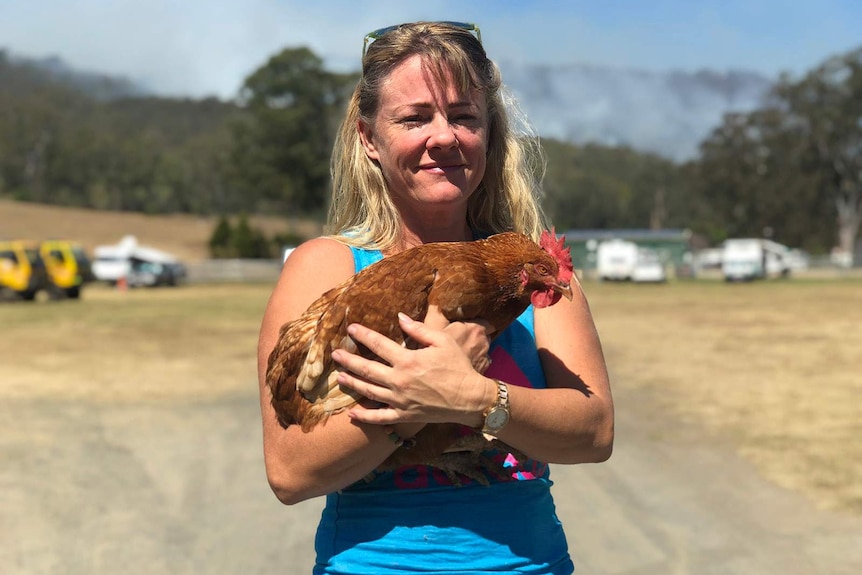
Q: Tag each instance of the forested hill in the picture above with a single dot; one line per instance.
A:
(90, 141)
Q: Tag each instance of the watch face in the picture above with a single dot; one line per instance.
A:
(496, 419)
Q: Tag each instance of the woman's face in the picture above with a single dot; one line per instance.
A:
(430, 142)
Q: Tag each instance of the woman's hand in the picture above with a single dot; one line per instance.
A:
(437, 383)
(473, 338)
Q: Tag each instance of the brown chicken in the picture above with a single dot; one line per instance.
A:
(494, 279)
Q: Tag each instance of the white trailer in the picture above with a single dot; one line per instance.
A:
(616, 260)
(753, 258)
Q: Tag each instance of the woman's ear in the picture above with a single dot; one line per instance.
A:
(366, 136)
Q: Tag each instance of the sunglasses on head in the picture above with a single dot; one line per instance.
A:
(372, 36)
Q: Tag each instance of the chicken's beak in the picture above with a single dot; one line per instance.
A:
(564, 289)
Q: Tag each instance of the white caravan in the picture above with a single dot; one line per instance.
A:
(616, 260)
(753, 258)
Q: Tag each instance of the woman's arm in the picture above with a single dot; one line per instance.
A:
(573, 420)
(335, 454)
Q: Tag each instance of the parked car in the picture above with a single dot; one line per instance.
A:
(144, 273)
(649, 268)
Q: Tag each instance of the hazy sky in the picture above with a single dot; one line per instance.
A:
(207, 47)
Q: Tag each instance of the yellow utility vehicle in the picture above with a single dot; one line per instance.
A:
(22, 271)
(68, 268)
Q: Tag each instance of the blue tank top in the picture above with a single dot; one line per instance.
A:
(414, 520)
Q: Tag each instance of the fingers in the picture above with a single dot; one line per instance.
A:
(472, 337)
(379, 416)
(434, 318)
(481, 363)
(366, 377)
(420, 332)
(374, 392)
(376, 408)
(485, 325)
(376, 342)
(373, 379)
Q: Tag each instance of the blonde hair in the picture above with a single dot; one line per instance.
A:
(507, 199)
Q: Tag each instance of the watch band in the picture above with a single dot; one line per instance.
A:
(497, 416)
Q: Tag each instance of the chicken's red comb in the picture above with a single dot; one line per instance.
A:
(557, 248)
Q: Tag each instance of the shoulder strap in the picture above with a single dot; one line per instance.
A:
(362, 258)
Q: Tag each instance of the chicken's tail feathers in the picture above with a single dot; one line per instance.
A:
(327, 398)
(318, 413)
(296, 408)
(281, 381)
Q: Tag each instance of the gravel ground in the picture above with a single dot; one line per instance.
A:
(179, 488)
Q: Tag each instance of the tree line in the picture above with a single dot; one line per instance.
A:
(790, 170)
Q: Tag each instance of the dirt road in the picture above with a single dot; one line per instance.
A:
(90, 489)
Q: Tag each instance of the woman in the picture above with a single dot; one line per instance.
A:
(427, 153)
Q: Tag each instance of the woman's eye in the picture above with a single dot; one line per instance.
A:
(464, 118)
(412, 120)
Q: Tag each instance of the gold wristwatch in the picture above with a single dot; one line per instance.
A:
(497, 416)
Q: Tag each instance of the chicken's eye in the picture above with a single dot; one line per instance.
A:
(542, 269)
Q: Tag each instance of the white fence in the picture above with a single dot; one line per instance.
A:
(218, 271)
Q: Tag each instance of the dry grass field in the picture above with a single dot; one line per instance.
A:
(771, 367)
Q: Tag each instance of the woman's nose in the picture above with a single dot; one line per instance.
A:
(442, 135)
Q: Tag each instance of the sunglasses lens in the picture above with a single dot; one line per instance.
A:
(372, 36)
